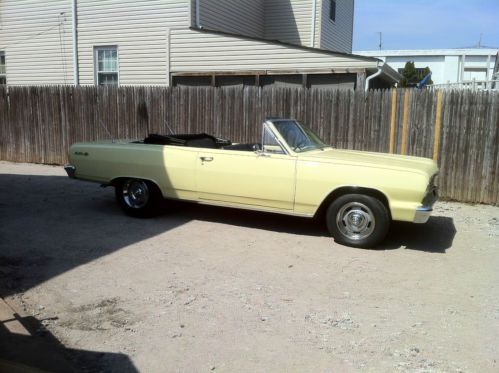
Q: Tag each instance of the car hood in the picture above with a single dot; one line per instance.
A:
(425, 166)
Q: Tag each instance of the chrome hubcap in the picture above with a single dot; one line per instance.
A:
(135, 193)
(355, 220)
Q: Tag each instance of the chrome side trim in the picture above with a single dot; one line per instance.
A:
(422, 214)
(70, 170)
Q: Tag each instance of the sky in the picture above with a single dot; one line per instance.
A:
(425, 24)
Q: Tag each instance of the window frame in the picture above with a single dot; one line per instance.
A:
(332, 11)
(3, 75)
(97, 49)
(269, 129)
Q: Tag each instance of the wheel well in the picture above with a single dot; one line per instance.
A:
(117, 180)
(321, 211)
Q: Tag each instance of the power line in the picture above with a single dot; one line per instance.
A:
(31, 36)
(62, 19)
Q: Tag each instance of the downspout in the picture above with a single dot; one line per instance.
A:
(314, 16)
(376, 74)
(168, 57)
(75, 44)
(198, 21)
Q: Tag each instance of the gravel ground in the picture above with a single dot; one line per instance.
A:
(211, 289)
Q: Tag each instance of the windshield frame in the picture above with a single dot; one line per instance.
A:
(314, 141)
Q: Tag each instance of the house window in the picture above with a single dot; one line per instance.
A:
(474, 73)
(3, 69)
(332, 11)
(106, 65)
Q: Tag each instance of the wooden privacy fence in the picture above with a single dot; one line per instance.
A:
(459, 128)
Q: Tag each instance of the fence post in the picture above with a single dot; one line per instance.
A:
(392, 121)
(405, 122)
(438, 121)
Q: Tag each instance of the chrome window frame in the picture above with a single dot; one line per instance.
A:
(268, 124)
(288, 149)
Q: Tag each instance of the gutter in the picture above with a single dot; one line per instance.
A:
(383, 68)
(76, 75)
(314, 16)
(376, 74)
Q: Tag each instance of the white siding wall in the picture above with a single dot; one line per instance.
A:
(195, 51)
(36, 38)
(290, 21)
(337, 35)
(234, 16)
(138, 28)
(446, 65)
(37, 41)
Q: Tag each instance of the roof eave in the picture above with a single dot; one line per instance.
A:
(388, 72)
(295, 46)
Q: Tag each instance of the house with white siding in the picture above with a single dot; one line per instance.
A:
(453, 68)
(184, 42)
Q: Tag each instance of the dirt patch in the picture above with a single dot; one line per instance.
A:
(103, 315)
(203, 289)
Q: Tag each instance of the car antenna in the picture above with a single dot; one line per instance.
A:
(105, 129)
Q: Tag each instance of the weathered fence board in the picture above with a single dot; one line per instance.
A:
(37, 124)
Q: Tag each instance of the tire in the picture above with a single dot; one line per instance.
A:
(138, 198)
(358, 220)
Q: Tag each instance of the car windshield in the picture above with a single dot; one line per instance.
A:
(299, 137)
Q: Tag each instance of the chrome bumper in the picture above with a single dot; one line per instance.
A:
(422, 214)
(70, 170)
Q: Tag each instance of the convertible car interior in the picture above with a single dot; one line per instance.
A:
(201, 140)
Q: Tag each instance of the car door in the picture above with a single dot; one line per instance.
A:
(178, 172)
(246, 178)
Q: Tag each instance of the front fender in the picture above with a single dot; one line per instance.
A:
(403, 190)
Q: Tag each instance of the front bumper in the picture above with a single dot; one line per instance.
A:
(422, 214)
(70, 170)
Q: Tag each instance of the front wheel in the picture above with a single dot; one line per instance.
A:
(139, 198)
(358, 220)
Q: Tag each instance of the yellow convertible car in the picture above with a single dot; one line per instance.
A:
(289, 171)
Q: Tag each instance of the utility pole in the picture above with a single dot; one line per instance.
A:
(380, 45)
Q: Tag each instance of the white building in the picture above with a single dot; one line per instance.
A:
(183, 42)
(448, 66)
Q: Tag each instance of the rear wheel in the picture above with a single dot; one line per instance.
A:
(358, 220)
(139, 198)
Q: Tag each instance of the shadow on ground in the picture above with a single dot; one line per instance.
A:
(52, 224)
(32, 348)
(48, 226)
(436, 236)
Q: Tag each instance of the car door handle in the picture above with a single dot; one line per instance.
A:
(206, 159)
(261, 154)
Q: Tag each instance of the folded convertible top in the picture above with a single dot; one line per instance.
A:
(201, 140)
